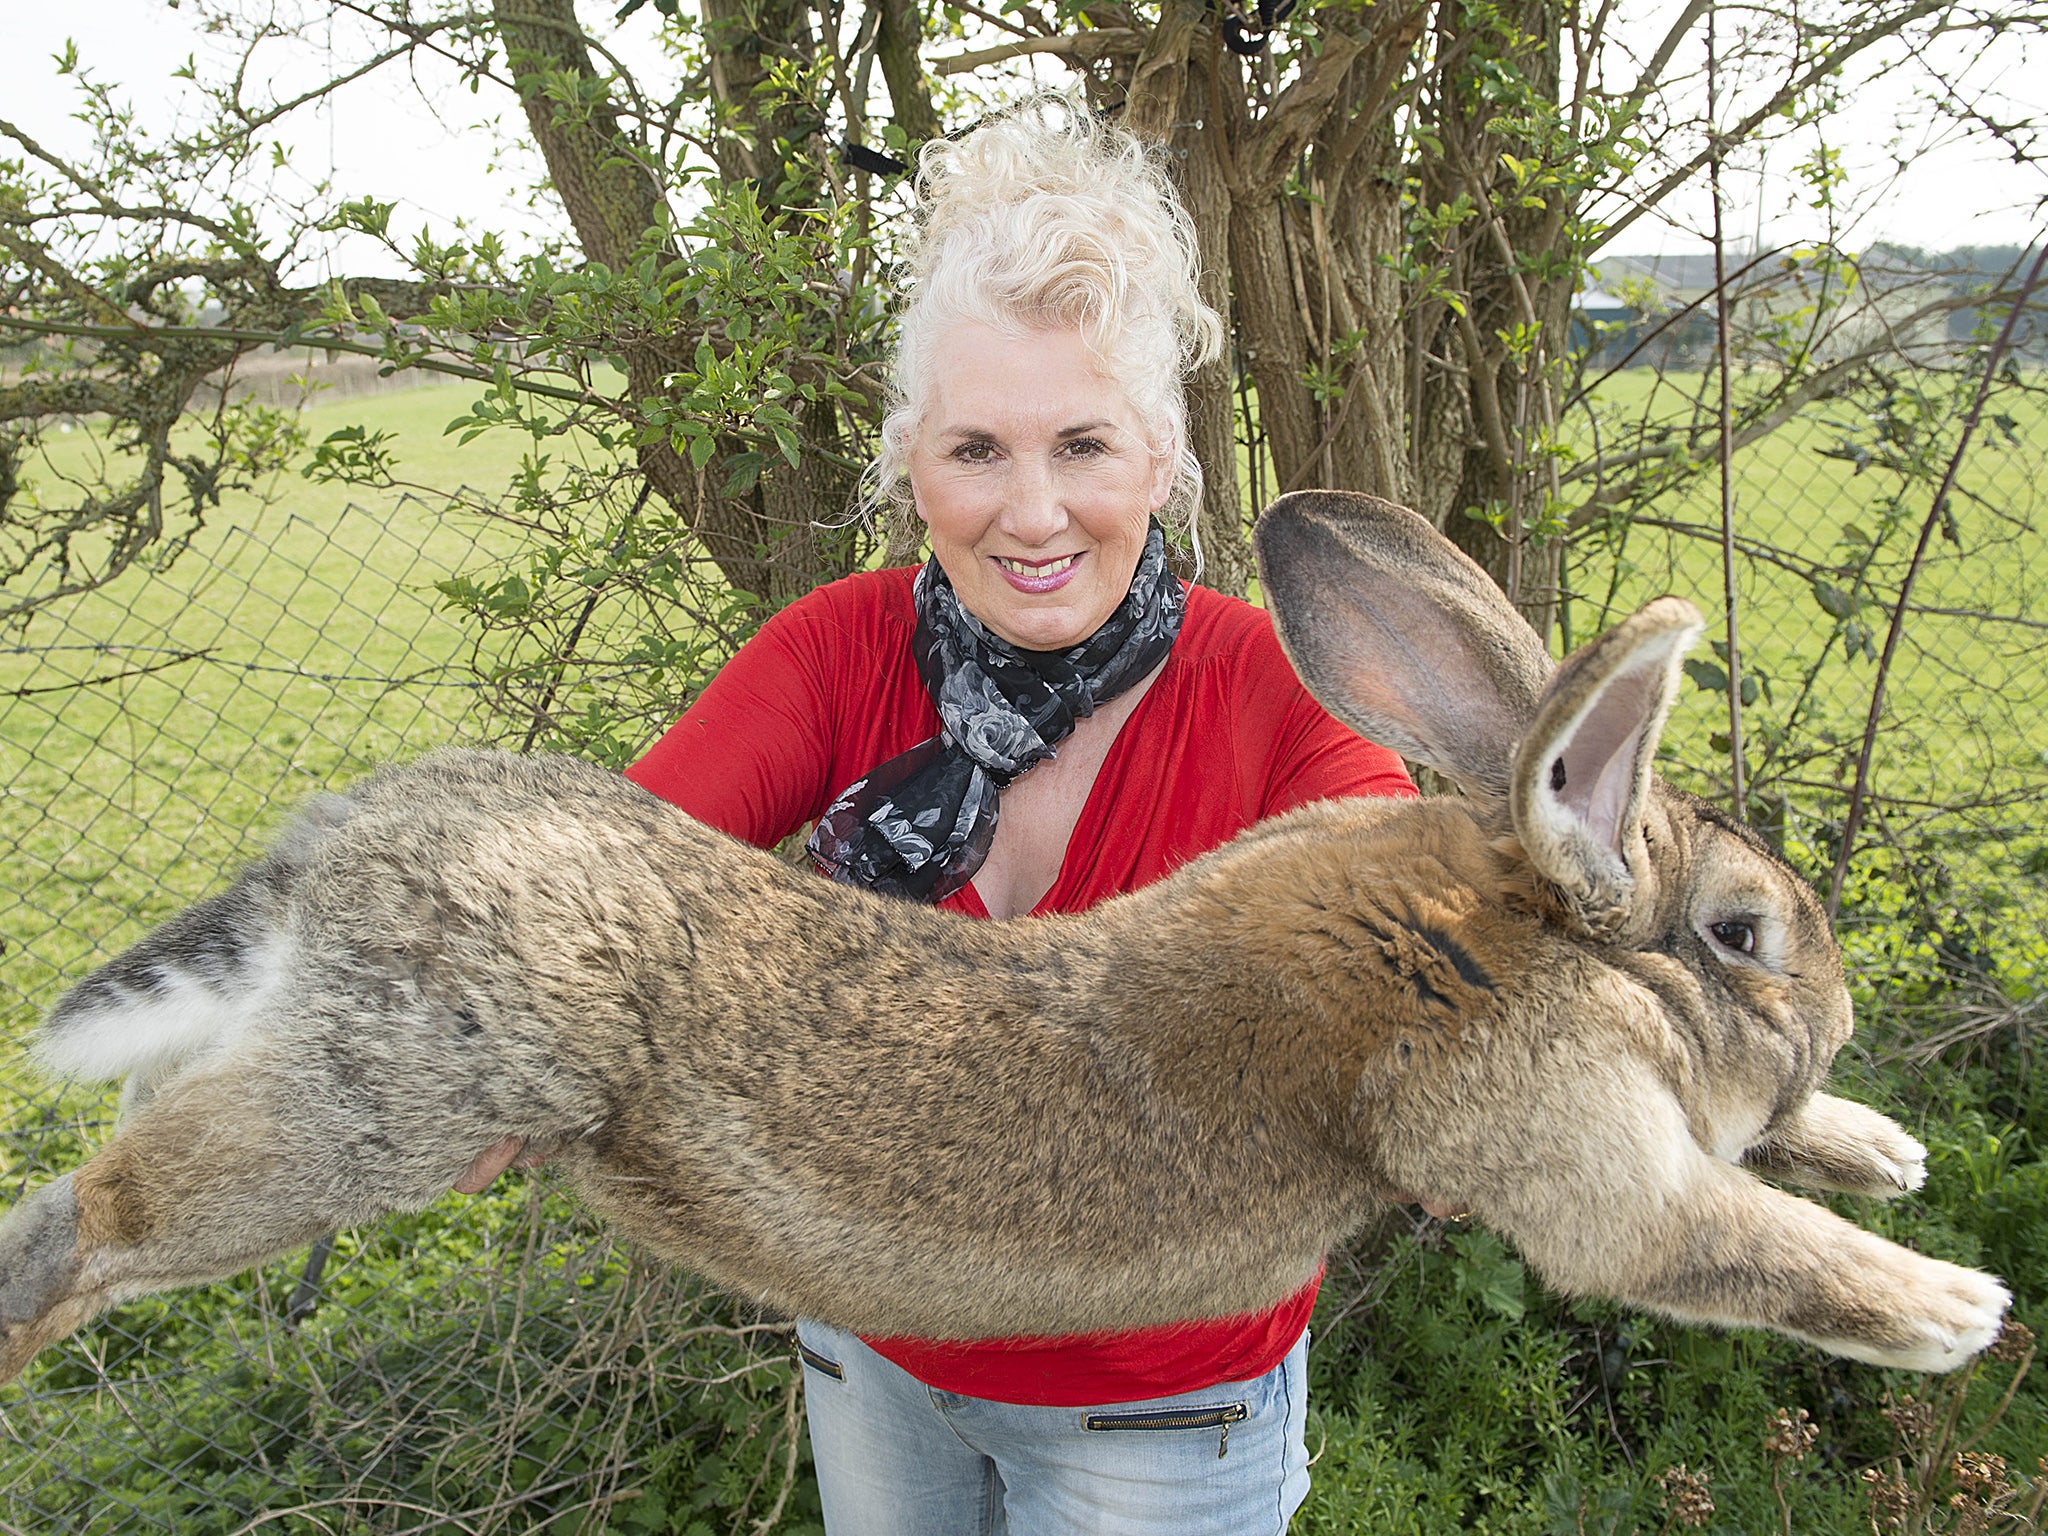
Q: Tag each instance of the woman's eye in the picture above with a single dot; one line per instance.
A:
(975, 452)
(1084, 448)
(1738, 936)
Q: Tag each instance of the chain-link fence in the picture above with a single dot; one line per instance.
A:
(494, 1363)
(1946, 869)
(487, 1365)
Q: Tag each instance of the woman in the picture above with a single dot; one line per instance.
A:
(1040, 718)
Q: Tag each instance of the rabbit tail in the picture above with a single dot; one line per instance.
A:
(193, 983)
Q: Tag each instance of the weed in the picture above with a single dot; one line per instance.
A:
(1935, 1480)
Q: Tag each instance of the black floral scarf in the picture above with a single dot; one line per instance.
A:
(920, 824)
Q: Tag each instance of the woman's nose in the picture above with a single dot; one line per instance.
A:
(1034, 511)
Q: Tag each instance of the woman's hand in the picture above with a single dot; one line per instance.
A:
(1442, 1210)
(485, 1167)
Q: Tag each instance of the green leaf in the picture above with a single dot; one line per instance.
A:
(1490, 1275)
(1706, 675)
(1834, 601)
(743, 474)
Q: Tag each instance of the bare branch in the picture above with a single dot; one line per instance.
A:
(1827, 65)
(61, 395)
(323, 341)
(1000, 22)
(1077, 48)
(252, 122)
(1652, 74)
(104, 202)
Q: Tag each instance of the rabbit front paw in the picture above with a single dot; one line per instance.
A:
(1898, 1163)
(1863, 1152)
(1832, 1143)
(1947, 1315)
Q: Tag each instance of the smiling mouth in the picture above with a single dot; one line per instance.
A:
(1041, 569)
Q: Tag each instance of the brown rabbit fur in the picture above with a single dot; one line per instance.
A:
(1573, 1001)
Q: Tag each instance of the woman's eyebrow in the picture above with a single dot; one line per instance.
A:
(967, 429)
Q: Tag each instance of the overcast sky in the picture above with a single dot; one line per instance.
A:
(382, 137)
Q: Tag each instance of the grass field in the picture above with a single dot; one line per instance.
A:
(464, 1359)
(1969, 671)
(317, 648)
(1961, 760)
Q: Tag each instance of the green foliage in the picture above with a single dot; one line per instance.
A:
(645, 1403)
(598, 630)
(351, 455)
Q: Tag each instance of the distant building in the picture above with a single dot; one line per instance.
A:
(1659, 311)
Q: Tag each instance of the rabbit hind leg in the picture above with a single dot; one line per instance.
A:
(200, 1184)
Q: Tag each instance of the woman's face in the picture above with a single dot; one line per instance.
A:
(1033, 474)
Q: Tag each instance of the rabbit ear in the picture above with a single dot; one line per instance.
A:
(1399, 635)
(1582, 772)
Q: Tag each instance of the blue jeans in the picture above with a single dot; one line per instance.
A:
(898, 1458)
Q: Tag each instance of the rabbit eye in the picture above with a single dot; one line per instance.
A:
(1738, 936)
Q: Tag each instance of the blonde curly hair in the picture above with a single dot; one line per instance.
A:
(1043, 218)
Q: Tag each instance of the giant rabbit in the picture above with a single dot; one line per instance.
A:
(1584, 1006)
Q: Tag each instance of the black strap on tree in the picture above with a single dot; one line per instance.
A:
(1248, 36)
(861, 158)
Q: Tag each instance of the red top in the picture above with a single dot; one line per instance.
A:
(1225, 737)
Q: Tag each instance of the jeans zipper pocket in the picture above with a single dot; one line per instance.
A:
(1218, 1417)
(822, 1364)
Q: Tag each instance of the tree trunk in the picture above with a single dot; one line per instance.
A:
(1173, 100)
(899, 35)
(614, 203)
(769, 542)
(1354, 177)
(1498, 259)
(776, 537)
